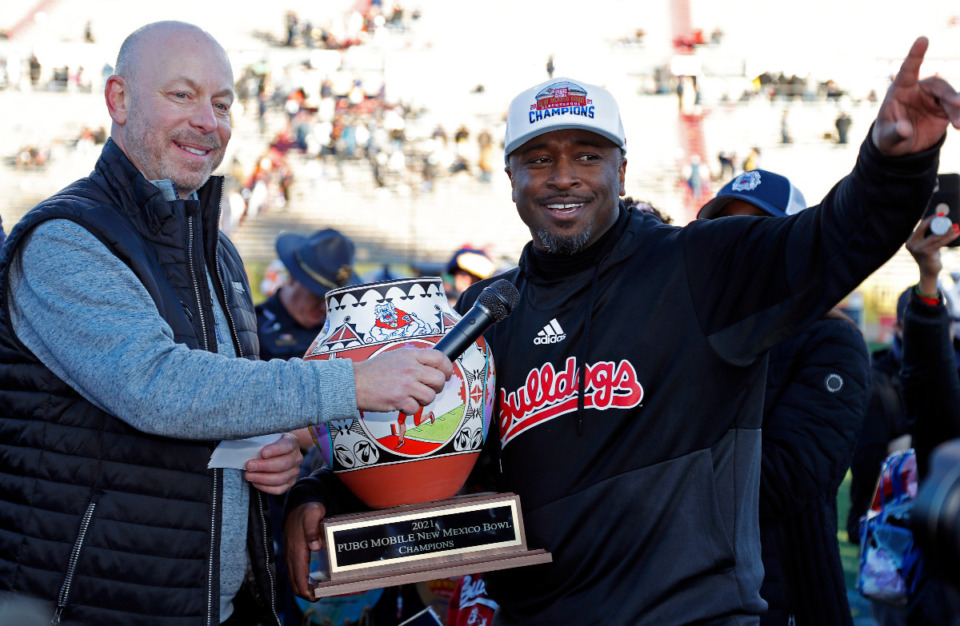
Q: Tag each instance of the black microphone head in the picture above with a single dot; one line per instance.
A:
(500, 298)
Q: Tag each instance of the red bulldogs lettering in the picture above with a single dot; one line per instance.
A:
(548, 394)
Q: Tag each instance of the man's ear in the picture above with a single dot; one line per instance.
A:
(117, 94)
(623, 175)
(513, 195)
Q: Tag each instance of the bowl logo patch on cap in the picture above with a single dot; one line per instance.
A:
(564, 98)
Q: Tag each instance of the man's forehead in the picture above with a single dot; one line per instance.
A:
(179, 48)
(225, 87)
(574, 136)
(183, 67)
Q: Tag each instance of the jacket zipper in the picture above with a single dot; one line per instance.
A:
(213, 546)
(226, 307)
(72, 566)
(266, 554)
(196, 286)
(239, 349)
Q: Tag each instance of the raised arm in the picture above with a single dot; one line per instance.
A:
(915, 113)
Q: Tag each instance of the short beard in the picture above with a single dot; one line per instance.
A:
(143, 145)
(558, 244)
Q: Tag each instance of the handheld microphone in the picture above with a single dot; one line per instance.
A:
(493, 305)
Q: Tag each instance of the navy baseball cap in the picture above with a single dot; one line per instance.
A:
(320, 262)
(771, 193)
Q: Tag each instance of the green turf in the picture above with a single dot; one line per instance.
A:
(849, 553)
(440, 430)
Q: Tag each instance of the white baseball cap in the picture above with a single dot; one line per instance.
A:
(560, 104)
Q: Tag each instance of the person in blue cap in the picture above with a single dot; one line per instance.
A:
(816, 394)
(756, 192)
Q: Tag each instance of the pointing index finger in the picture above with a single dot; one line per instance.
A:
(909, 72)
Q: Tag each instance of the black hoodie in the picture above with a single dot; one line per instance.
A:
(643, 482)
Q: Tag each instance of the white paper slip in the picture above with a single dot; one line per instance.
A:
(235, 454)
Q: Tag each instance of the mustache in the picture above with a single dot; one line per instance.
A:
(201, 141)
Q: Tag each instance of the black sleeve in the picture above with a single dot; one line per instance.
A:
(931, 387)
(754, 280)
(323, 486)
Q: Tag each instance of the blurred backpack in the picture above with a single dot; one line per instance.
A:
(891, 567)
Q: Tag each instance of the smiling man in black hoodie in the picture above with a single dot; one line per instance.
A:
(630, 375)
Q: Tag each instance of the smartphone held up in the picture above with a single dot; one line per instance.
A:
(945, 205)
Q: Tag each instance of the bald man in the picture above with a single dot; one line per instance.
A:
(128, 352)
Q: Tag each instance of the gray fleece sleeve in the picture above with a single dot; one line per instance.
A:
(88, 318)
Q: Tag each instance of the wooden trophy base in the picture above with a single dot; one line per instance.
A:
(419, 542)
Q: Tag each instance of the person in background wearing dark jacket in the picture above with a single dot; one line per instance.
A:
(290, 319)
(927, 371)
(128, 351)
(633, 440)
(931, 392)
(817, 386)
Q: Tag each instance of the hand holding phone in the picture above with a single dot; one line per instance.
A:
(924, 247)
(945, 206)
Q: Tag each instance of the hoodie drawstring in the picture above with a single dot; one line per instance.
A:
(585, 348)
(520, 283)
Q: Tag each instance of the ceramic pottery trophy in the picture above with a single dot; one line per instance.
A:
(408, 468)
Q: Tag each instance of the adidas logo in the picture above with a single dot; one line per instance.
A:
(551, 333)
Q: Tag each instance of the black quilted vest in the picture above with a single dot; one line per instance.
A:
(108, 524)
